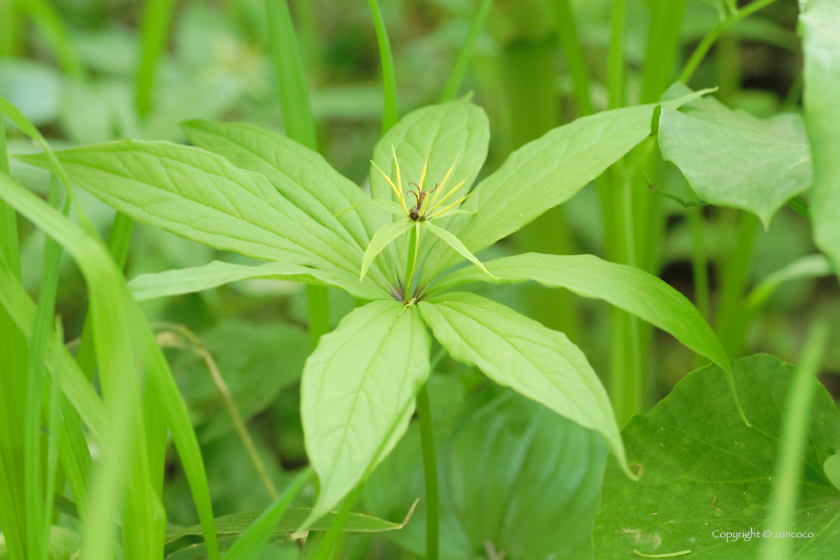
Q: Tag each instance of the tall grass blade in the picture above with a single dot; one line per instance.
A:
(390, 114)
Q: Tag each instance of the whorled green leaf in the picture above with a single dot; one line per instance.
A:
(298, 173)
(626, 287)
(357, 394)
(203, 197)
(704, 473)
(731, 158)
(217, 273)
(821, 44)
(513, 474)
(518, 352)
(542, 174)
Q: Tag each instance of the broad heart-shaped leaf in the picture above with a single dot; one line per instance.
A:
(357, 394)
(513, 474)
(518, 352)
(300, 174)
(731, 158)
(217, 273)
(704, 472)
(203, 197)
(628, 288)
(821, 43)
(542, 174)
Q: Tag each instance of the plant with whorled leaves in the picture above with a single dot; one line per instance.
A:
(254, 192)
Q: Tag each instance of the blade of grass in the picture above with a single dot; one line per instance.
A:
(427, 438)
(299, 125)
(118, 244)
(54, 407)
(794, 434)
(156, 18)
(251, 543)
(41, 332)
(326, 546)
(88, 251)
(8, 218)
(49, 22)
(390, 115)
(456, 77)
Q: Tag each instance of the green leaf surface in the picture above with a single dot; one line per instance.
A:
(237, 523)
(820, 24)
(731, 158)
(626, 287)
(518, 352)
(542, 174)
(513, 474)
(203, 197)
(218, 273)
(298, 173)
(63, 543)
(704, 472)
(382, 239)
(357, 394)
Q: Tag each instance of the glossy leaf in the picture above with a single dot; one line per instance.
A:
(357, 394)
(731, 158)
(821, 43)
(628, 288)
(705, 473)
(519, 352)
(217, 273)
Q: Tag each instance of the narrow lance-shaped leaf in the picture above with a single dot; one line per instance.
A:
(100, 271)
(626, 287)
(217, 273)
(357, 394)
(383, 237)
(516, 351)
(821, 44)
(542, 174)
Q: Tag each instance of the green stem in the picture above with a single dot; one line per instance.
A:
(710, 38)
(698, 261)
(794, 435)
(615, 57)
(531, 96)
(427, 438)
(564, 18)
(411, 261)
(734, 278)
(326, 546)
(9, 29)
(156, 19)
(456, 77)
(663, 47)
(299, 124)
(389, 78)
